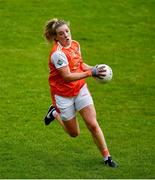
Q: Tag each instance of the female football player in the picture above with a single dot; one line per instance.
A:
(68, 87)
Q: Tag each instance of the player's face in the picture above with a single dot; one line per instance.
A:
(63, 35)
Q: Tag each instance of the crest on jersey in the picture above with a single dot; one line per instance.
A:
(60, 62)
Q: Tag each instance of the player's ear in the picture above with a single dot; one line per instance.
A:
(55, 38)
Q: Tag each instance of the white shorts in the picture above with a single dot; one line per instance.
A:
(69, 105)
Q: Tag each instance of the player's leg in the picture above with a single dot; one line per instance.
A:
(88, 113)
(67, 116)
(84, 104)
(71, 126)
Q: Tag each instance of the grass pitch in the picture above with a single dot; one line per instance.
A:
(118, 33)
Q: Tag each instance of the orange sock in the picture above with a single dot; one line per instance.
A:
(105, 153)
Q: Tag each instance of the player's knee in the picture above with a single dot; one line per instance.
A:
(74, 133)
(94, 128)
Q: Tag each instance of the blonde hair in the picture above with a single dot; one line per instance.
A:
(51, 26)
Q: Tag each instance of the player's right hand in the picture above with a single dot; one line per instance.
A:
(98, 71)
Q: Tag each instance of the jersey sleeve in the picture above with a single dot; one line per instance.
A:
(59, 59)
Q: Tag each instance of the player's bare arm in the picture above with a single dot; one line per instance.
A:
(69, 76)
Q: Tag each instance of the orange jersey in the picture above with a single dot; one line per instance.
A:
(74, 60)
